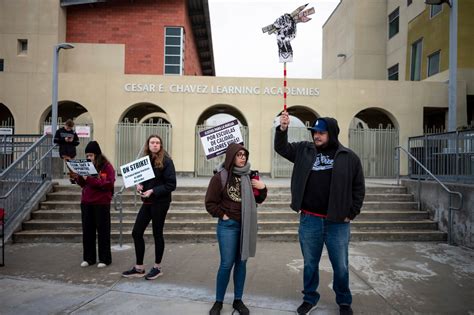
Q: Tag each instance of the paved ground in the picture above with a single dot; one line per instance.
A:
(386, 278)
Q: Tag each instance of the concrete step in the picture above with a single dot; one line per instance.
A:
(199, 197)
(184, 205)
(201, 225)
(272, 189)
(75, 214)
(32, 236)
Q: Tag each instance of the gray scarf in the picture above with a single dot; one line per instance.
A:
(248, 230)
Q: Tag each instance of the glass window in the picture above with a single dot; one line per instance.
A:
(393, 20)
(435, 9)
(433, 63)
(22, 46)
(415, 73)
(1, 65)
(409, 2)
(393, 73)
(174, 50)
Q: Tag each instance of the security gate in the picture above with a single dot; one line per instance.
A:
(376, 150)
(281, 167)
(131, 137)
(203, 166)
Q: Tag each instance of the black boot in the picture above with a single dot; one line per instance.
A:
(216, 309)
(240, 307)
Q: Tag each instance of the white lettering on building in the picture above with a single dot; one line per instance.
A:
(218, 89)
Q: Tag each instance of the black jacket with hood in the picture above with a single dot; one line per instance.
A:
(66, 148)
(162, 184)
(347, 189)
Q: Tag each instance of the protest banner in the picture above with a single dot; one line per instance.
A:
(82, 167)
(216, 140)
(137, 171)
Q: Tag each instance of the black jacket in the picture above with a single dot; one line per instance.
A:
(66, 148)
(347, 181)
(163, 183)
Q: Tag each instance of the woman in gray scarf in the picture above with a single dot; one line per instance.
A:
(232, 196)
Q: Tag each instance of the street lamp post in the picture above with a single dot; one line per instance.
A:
(54, 102)
(453, 60)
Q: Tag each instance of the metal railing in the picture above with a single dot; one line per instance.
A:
(428, 173)
(449, 156)
(118, 200)
(13, 146)
(21, 180)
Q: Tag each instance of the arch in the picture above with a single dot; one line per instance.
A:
(66, 110)
(6, 116)
(300, 116)
(375, 117)
(222, 109)
(140, 112)
(155, 118)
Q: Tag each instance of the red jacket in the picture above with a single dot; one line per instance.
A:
(98, 190)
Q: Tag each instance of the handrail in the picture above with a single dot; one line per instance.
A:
(119, 207)
(14, 199)
(450, 192)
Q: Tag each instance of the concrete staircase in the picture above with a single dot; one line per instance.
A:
(388, 214)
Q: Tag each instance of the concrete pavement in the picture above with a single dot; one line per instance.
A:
(386, 278)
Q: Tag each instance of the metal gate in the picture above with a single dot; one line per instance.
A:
(376, 150)
(203, 166)
(132, 135)
(281, 167)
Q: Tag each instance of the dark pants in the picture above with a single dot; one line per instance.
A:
(96, 218)
(156, 213)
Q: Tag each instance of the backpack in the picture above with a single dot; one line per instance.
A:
(223, 174)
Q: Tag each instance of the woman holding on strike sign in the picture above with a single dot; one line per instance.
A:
(156, 197)
(231, 198)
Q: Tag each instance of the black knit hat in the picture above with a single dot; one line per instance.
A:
(93, 147)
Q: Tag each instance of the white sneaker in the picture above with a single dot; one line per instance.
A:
(84, 264)
(101, 265)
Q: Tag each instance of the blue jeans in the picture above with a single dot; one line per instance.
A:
(228, 236)
(314, 232)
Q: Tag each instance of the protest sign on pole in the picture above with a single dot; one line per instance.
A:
(82, 167)
(137, 171)
(216, 139)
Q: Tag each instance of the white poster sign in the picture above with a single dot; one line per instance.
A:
(83, 131)
(137, 171)
(82, 167)
(6, 143)
(216, 140)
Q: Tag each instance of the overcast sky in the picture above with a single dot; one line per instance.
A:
(241, 49)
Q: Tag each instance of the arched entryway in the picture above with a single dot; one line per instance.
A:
(136, 124)
(301, 117)
(83, 124)
(214, 116)
(373, 136)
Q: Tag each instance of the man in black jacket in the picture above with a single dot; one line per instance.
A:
(67, 140)
(327, 189)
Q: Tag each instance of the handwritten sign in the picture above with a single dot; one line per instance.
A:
(216, 140)
(137, 171)
(82, 167)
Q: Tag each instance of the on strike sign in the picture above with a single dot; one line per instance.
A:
(216, 140)
(82, 167)
(137, 171)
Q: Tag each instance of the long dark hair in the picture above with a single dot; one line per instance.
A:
(100, 161)
(158, 159)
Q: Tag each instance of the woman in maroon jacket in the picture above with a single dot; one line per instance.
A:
(97, 194)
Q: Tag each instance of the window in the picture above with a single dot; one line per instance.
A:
(415, 73)
(435, 9)
(393, 73)
(1, 65)
(174, 50)
(433, 63)
(22, 46)
(409, 2)
(393, 20)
